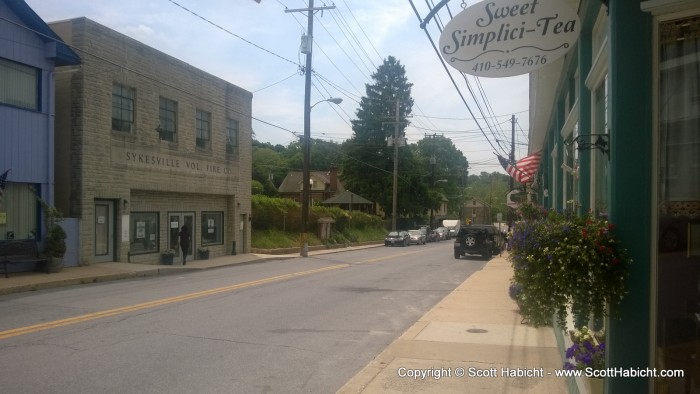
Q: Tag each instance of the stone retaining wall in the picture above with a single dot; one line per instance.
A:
(312, 248)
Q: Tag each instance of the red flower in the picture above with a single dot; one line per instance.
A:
(584, 232)
(616, 261)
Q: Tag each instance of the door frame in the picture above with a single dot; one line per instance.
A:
(109, 221)
(183, 217)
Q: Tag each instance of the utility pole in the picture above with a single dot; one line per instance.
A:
(512, 162)
(397, 141)
(432, 183)
(306, 146)
(396, 167)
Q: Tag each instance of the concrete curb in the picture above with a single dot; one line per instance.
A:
(103, 272)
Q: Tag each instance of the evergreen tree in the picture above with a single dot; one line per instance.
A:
(368, 163)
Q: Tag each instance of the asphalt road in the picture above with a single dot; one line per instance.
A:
(287, 326)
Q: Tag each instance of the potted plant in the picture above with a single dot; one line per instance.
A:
(167, 256)
(587, 353)
(55, 242)
(202, 254)
(55, 247)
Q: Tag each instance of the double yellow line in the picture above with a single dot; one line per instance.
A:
(152, 304)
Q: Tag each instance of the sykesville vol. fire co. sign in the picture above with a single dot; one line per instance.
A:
(502, 38)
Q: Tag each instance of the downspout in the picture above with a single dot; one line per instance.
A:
(49, 195)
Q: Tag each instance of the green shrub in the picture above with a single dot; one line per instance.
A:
(276, 223)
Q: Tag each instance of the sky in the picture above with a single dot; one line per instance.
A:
(256, 47)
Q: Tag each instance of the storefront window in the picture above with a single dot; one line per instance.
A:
(144, 232)
(678, 260)
(212, 228)
(18, 212)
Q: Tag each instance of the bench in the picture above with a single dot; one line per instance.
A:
(20, 251)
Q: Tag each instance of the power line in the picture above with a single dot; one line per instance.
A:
(454, 83)
(233, 34)
(121, 67)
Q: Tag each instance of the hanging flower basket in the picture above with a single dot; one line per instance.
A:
(564, 261)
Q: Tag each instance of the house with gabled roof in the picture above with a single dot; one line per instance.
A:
(30, 54)
(350, 202)
(324, 185)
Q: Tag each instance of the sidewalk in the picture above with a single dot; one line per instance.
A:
(101, 272)
(475, 329)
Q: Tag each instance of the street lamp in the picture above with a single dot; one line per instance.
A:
(306, 177)
(334, 100)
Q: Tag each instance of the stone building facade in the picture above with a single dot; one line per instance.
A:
(146, 143)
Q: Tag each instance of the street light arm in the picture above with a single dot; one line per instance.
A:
(334, 100)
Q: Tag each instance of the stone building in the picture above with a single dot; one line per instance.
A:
(146, 143)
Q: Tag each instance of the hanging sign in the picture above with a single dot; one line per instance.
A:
(502, 38)
(515, 198)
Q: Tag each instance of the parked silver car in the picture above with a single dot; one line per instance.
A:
(417, 237)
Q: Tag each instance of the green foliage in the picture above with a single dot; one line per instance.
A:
(269, 166)
(273, 239)
(323, 155)
(256, 187)
(275, 213)
(55, 245)
(442, 161)
(490, 188)
(368, 163)
(277, 223)
(564, 261)
(56, 241)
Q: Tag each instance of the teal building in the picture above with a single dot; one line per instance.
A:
(617, 121)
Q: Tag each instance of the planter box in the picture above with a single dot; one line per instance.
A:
(166, 259)
(54, 265)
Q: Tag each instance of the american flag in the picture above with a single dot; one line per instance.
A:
(3, 181)
(523, 170)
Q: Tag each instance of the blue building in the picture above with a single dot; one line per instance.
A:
(29, 53)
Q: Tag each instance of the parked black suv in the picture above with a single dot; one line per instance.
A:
(485, 240)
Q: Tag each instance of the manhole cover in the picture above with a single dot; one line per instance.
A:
(477, 330)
